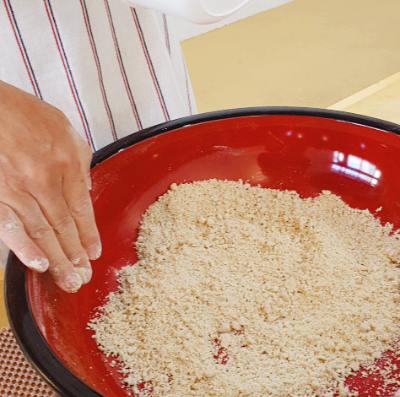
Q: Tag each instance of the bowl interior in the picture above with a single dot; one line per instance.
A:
(302, 153)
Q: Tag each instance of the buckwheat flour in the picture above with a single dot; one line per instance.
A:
(245, 291)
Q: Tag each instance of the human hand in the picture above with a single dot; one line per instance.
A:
(46, 214)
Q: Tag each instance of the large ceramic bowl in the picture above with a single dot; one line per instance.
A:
(307, 150)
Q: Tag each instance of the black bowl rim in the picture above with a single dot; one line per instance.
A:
(23, 326)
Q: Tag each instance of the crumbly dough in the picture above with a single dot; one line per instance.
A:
(246, 291)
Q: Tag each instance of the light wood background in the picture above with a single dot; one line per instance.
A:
(3, 316)
(305, 53)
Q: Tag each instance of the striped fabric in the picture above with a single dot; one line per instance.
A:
(111, 69)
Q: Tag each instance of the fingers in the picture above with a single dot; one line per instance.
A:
(78, 198)
(13, 234)
(31, 222)
(80, 206)
(73, 225)
(58, 215)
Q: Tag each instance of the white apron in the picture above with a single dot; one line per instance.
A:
(111, 69)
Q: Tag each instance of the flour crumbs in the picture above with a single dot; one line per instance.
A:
(245, 291)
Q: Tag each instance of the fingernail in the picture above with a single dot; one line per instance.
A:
(39, 264)
(89, 182)
(94, 251)
(73, 282)
(85, 273)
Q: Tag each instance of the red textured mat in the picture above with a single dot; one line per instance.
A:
(17, 377)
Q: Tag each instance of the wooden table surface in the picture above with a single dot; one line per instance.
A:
(3, 316)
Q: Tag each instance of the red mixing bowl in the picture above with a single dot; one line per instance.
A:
(306, 150)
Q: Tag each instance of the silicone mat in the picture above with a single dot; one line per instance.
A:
(17, 377)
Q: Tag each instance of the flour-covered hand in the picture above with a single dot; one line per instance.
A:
(46, 214)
